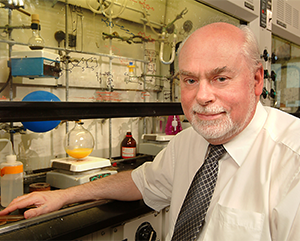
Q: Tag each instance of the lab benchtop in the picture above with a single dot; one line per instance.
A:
(76, 220)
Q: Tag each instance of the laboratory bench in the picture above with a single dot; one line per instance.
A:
(73, 222)
(76, 220)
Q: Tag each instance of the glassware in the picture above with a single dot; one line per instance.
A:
(79, 142)
(130, 77)
(36, 42)
(128, 146)
(173, 125)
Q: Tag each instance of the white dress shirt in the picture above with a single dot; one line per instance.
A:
(257, 195)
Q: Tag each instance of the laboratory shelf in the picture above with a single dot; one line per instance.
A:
(15, 111)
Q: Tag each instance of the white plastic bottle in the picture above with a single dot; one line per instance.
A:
(11, 179)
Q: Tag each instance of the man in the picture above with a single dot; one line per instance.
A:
(257, 194)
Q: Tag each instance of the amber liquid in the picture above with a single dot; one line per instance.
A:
(79, 153)
(128, 146)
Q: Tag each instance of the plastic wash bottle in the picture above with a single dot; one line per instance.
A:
(11, 179)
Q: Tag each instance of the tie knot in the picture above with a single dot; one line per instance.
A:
(216, 151)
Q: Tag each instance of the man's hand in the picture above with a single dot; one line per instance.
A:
(115, 187)
(45, 202)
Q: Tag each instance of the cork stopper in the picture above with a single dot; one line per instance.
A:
(35, 18)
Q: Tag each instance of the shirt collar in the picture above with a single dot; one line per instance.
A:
(239, 147)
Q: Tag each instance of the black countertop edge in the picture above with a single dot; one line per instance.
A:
(74, 222)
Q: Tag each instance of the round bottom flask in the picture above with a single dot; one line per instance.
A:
(79, 142)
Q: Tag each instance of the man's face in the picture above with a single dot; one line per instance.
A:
(218, 90)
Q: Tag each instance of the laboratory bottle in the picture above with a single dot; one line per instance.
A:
(36, 42)
(131, 71)
(11, 179)
(128, 146)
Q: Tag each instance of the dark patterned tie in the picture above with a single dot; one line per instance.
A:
(191, 217)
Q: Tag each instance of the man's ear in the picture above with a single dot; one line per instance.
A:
(259, 80)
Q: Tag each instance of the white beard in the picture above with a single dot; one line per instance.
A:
(221, 128)
(212, 129)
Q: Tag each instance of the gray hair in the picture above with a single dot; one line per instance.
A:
(250, 48)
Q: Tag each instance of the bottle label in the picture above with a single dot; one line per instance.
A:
(11, 170)
(128, 152)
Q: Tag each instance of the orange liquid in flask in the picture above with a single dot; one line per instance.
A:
(79, 153)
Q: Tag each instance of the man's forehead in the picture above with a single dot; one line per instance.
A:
(213, 37)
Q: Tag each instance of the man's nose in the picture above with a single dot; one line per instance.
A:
(205, 93)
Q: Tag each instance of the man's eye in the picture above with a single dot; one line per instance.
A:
(190, 81)
(221, 79)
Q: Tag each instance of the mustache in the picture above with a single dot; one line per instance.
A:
(208, 109)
